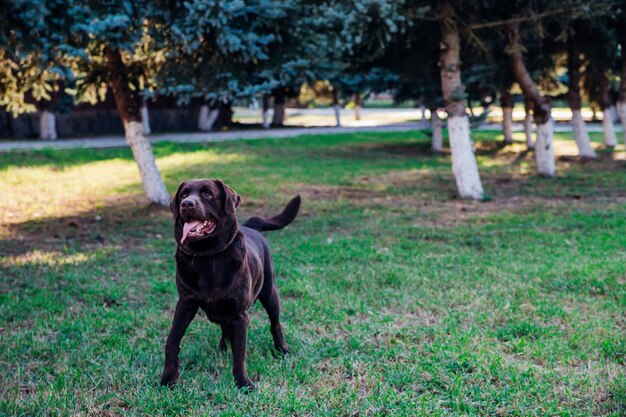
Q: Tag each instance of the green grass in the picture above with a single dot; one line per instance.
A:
(398, 298)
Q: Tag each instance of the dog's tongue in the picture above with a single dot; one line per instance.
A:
(187, 227)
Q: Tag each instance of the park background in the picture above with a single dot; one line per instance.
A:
(461, 246)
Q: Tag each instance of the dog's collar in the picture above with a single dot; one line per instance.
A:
(210, 252)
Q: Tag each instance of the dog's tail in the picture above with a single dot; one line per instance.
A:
(277, 222)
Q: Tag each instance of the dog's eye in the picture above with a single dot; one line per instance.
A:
(207, 194)
(184, 194)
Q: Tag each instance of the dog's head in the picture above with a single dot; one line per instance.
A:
(204, 211)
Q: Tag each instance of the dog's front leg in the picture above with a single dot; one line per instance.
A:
(184, 314)
(239, 329)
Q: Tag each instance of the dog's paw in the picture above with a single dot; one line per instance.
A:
(281, 351)
(245, 385)
(169, 377)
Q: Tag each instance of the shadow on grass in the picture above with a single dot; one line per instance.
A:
(415, 148)
(125, 222)
(122, 222)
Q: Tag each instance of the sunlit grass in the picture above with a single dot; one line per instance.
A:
(35, 192)
(45, 258)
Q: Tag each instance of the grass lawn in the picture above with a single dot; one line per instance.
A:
(398, 298)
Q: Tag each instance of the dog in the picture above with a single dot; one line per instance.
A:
(222, 268)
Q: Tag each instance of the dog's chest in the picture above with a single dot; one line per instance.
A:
(222, 287)
(207, 279)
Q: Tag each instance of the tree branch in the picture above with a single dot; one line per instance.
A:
(520, 19)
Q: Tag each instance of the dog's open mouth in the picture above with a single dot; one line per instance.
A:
(197, 229)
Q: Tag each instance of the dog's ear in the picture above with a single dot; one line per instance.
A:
(231, 198)
(175, 202)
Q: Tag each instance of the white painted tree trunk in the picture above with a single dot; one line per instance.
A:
(47, 125)
(153, 184)
(435, 125)
(266, 119)
(210, 121)
(357, 112)
(337, 110)
(528, 131)
(585, 150)
(610, 139)
(279, 114)
(207, 118)
(507, 124)
(544, 149)
(145, 119)
(614, 115)
(202, 117)
(621, 113)
(422, 121)
(464, 164)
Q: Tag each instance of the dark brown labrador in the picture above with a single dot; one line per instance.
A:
(223, 269)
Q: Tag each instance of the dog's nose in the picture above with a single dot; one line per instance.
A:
(188, 204)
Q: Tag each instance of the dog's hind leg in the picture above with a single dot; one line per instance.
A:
(271, 303)
(225, 338)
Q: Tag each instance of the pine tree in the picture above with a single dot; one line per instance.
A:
(204, 48)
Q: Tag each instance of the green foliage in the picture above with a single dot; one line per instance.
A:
(242, 48)
(31, 44)
(216, 48)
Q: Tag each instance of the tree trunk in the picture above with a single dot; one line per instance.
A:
(212, 118)
(145, 118)
(47, 118)
(278, 119)
(542, 113)
(507, 116)
(208, 116)
(47, 125)
(585, 150)
(608, 116)
(337, 111)
(621, 114)
(8, 122)
(280, 98)
(223, 115)
(464, 164)
(544, 152)
(202, 117)
(579, 130)
(507, 124)
(435, 126)
(528, 123)
(422, 122)
(357, 106)
(594, 112)
(336, 108)
(128, 105)
(621, 103)
(265, 109)
(610, 140)
(470, 107)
